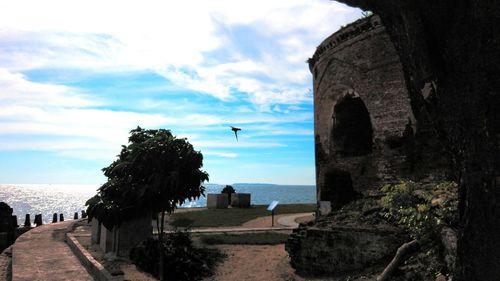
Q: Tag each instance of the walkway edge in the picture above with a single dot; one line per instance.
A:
(95, 268)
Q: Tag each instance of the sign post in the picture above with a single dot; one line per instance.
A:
(271, 208)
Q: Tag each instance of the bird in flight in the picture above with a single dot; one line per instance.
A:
(235, 130)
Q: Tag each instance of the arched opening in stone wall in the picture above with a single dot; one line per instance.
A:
(352, 132)
(337, 188)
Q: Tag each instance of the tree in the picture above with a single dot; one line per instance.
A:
(454, 45)
(155, 173)
(229, 190)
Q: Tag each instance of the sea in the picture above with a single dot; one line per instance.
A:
(47, 199)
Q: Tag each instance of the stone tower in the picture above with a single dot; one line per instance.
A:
(365, 130)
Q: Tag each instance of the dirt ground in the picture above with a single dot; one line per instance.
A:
(245, 262)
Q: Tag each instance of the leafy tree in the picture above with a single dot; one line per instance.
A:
(229, 190)
(155, 173)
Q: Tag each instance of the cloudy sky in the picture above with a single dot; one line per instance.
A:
(77, 76)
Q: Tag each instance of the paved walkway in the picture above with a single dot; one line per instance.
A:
(289, 221)
(41, 254)
(284, 223)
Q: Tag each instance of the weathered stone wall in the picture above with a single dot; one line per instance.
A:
(338, 249)
(364, 125)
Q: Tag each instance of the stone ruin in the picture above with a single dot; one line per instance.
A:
(8, 224)
(121, 238)
(366, 136)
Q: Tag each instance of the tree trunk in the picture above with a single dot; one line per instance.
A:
(400, 257)
(455, 44)
(160, 240)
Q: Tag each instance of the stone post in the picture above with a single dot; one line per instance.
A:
(84, 214)
(14, 221)
(54, 218)
(27, 221)
(38, 220)
(61, 217)
(75, 217)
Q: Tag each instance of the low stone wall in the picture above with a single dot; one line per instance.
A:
(336, 249)
(241, 200)
(217, 201)
(92, 265)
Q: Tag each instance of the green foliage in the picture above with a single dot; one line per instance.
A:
(263, 238)
(155, 172)
(421, 210)
(228, 189)
(182, 260)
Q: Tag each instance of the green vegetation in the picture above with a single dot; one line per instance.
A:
(260, 238)
(229, 190)
(422, 210)
(183, 261)
(154, 173)
(233, 216)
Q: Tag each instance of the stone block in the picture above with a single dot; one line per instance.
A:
(325, 207)
(241, 200)
(106, 239)
(130, 233)
(95, 231)
(337, 249)
(217, 201)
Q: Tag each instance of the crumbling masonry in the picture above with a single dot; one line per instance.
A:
(365, 130)
(367, 133)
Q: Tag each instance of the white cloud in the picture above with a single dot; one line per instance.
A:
(221, 154)
(46, 110)
(177, 39)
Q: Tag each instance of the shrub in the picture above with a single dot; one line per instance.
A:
(182, 260)
(229, 190)
(423, 211)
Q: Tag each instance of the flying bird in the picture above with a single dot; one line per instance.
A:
(235, 130)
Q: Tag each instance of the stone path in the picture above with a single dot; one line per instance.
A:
(289, 221)
(284, 223)
(42, 254)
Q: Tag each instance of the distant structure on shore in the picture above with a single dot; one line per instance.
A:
(366, 134)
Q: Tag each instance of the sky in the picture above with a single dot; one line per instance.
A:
(77, 76)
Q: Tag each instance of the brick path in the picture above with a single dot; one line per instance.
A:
(41, 254)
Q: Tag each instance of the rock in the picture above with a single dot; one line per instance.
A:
(449, 241)
(336, 249)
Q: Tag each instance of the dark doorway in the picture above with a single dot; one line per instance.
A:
(337, 188)
(352, 131)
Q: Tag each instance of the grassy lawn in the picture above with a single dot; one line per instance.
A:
(263, 238)
(233, 216)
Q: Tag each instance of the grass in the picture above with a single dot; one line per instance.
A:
(233, 216)
(262, 238)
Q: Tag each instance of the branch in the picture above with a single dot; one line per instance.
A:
(400, 256)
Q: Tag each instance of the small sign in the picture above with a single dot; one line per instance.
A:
(272, 205)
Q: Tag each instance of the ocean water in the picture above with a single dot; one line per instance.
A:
(47, 199)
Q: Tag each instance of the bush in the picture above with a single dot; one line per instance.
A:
(229, 190)
(182, 260)
(423, 211)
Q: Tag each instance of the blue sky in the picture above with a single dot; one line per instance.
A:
(77, 76)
